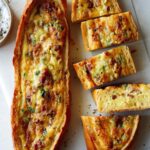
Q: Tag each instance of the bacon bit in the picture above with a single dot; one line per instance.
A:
(113, 61)
(90, 4)
(136, 91)
(89, 66)
(39, 122)
(118, 70)
(119, 25)
(132, 96)
(119, 121)
(95, 37)
(133, 50)
(46, 78)
(120, 18)
(114, 97)
(49, 7)
(38, 145)
(105, 78)
(37, 50)
(28, 138)
(100, 28)
(43, 108)
(107, 53)
(28, 97)
(95, 29)
(92, 137)
(57, 47)
(108, 8)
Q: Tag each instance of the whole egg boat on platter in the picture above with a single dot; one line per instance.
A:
(40, 107)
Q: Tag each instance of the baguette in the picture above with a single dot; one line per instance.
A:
(109, 133)
(108, 31)
(40, 107)
(88, 9)
(126, 97)
(105, 67)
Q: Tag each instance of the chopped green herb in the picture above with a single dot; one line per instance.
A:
(37, 72)
(43, 92)
(26, 119)
(32, 110)
(103, 68)
(22, 110)
(24, 74)
(124, 137)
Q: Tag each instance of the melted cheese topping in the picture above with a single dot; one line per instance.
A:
(107, 133)
(107, 31)
(87, 9)
(43, 94)
(124, 97)
(105, 67)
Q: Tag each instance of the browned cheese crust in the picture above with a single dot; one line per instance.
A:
(107, 31)
(109, 133)
(40, 107)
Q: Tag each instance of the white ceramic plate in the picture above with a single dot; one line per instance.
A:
(7, 13)
(82, 102)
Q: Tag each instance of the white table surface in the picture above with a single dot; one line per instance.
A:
(74, 136)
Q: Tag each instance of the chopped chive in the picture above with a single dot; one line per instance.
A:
(32, 110)
(22, 110)
(37, 73)
(26, 119)
(43, 92)
(24, 74)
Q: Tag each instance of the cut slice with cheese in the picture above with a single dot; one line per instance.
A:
(105, 67)
(87, 9)
(125, 97)
(109, 132)
(108, 31)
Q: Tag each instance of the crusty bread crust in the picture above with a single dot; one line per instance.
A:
(84, 35)
(130, 61)
(16, 62)
(134, 27)
(89, 143)
(136, 123)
